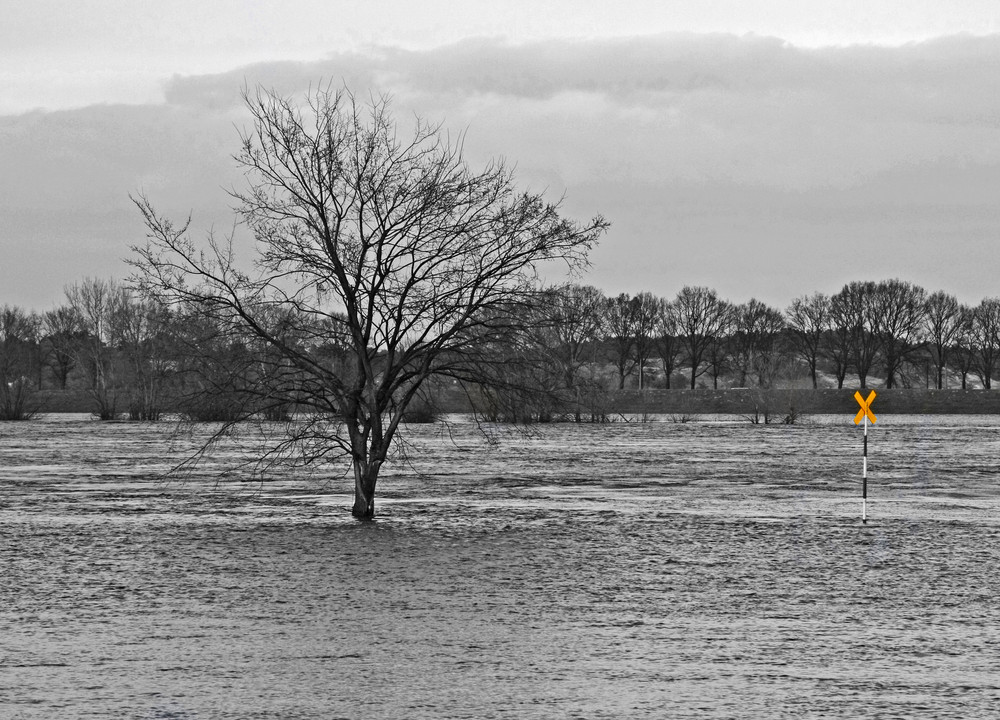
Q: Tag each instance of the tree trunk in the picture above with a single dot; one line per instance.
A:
(364, 492)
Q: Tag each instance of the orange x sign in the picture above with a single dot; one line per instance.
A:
(865, 407)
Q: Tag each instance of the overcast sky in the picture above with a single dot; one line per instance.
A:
(767, 148)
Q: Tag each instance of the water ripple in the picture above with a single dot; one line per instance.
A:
(709, 569)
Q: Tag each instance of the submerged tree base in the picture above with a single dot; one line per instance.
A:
(363, 511)
(364, 496)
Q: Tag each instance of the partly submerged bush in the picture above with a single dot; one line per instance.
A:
(17, 400)
(767, 405)
(212, 408)
(277, 411)
(421, 410)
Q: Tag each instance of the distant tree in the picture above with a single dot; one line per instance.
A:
(809, 322)
(621, 326)
(838, 342)
(63, 332)
(897, 319)
(535, 360)
(963, 350)
(527, 383)
(668, 344)
(424, 265)
(701, 319)
(19, 334)
(986, 338)
(99, 304)
(942, 325)
(646, 314)
(568, 330)
(855, 308)
(143, 333)
(755, 331)
(771, 358)
(220, 373)
(572, 318)
(718, 355)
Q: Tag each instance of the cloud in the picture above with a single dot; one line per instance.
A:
(751, 109)
(649, 70)
(738, 161)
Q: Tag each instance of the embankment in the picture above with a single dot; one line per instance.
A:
(740, 400)
(705, 400)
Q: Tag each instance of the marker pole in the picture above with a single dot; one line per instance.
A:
(864, 478)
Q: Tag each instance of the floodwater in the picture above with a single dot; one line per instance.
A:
(712, 569)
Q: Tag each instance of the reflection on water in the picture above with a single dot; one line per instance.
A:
(710, 569)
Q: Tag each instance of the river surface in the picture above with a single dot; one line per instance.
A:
(711, 569)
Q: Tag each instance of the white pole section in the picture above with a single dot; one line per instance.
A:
(864, 478)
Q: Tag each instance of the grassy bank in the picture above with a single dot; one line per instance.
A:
(740, 400)
(805, 401)
(703, 400)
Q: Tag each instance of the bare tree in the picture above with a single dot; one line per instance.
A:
(142, 330)
(718, 355)
(755, 334)
(19, 334)
(838, 343)
(572, 321)
(212, 365)
(942, 324)
(224, 373)
(99, 304)
(897, 318)
(701, 318)
(963, 350)
(855, 308)
(423, 264)
(808, 320)
(668, 345)
(645, 313)
(986, 339)
(63, 329)
(620, 324)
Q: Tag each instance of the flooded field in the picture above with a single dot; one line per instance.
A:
(711, 569)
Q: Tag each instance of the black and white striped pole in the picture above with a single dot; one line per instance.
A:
(865, 413)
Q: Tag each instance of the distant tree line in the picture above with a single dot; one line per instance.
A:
(891, 329)
(130, 357)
